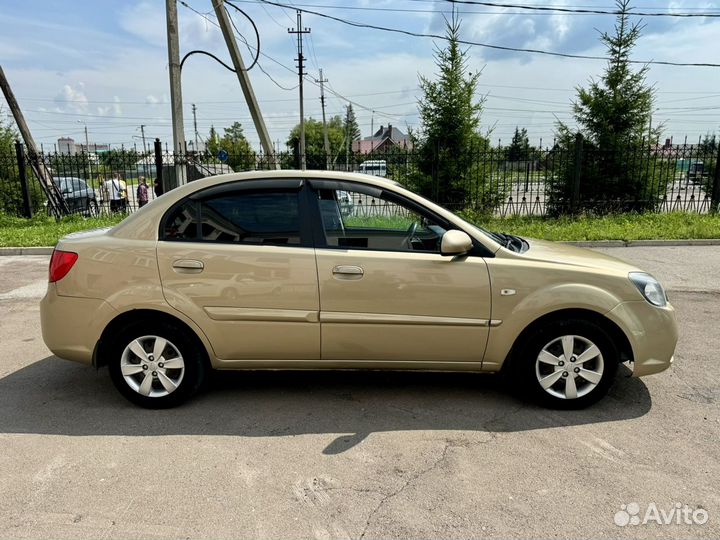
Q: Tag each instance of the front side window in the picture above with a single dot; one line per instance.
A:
(251, 217)
(365, 219)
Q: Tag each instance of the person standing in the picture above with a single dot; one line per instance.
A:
(114, 191)
(142, 192)
(123, 194)
(158, 188)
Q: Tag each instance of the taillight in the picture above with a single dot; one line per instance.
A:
(60, 264)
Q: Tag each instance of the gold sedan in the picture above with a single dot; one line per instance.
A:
(322, 270)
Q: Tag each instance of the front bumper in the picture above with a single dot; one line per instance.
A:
(71, 326)
(652, 332)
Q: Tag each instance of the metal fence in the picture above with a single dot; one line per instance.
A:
(561, 179)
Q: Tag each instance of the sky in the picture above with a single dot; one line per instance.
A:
(103, 64)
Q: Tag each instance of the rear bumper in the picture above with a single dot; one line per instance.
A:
(71, 327)
(652, 332)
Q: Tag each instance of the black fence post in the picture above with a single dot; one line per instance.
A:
(159, 187)
(22, 173)
(575, 197)
(715, 198)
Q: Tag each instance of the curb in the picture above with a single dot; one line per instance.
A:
(26, 251)
(644, 243)
(586, 244)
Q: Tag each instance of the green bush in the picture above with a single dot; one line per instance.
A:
(621, 177)
(11, 199)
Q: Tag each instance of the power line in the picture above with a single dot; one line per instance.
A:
(703, 95)
(278, 62)
(485, 45)
(484, 12)
(260, 53)
(558, 9)
(255, 28)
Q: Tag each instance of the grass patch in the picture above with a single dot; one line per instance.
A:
(45, 231)
(393, 223)
(674, 226)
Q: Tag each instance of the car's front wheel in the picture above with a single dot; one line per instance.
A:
(567, 364)
(156, 365)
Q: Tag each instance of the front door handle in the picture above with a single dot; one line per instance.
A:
(188, 266)
(348, 272)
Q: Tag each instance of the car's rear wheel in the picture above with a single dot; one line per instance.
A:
(567, 364)
(156, 365)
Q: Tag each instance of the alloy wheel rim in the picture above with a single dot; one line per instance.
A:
(569, 367)
(152, 366)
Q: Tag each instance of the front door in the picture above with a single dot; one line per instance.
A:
(236, 260)
(386, 292)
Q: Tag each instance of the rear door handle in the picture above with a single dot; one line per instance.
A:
(348, 272)
(188, 266)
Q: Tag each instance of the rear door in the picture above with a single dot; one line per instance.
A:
(238, 260)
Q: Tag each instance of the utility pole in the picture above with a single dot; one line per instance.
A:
(325, 131)
(300, 59)
(194, 109)
(87, 141)
(56, 203)
(242, 74)
(142, 132)
(178, 127)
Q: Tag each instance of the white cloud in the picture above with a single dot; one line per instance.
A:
(147, 21)
(129, 74)
(72, 98)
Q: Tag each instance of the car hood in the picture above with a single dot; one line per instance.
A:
(563, 254)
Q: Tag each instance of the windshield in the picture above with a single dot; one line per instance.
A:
(69, 185)
(500, 239)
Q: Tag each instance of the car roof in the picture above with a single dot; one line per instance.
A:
(293, 173)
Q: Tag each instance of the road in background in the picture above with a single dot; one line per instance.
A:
(353, 455)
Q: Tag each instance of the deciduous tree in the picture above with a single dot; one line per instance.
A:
(241, 156)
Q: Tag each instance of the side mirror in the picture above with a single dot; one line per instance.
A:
(455, 242)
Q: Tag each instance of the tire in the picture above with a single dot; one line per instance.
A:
(573, 383)
(157, 386)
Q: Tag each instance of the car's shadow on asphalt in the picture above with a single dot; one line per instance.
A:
(56, 397)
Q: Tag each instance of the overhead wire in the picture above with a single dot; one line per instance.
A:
(481, 12)
(560, 9)
(357, 24)
(259, 52)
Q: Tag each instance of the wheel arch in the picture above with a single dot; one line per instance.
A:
(150, 315)
(616, 333)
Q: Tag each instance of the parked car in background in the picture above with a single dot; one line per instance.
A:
(79, 197)
(264, 270)
(375, 167)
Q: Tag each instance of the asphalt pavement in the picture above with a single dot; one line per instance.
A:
(361, 455)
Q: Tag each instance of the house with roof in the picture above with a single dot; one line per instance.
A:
(383, 140)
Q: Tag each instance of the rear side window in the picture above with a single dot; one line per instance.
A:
(182, 222)
(251, 217)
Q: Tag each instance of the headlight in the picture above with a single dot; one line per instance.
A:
(650, 288)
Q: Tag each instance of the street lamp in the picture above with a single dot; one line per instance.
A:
(87, 144)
